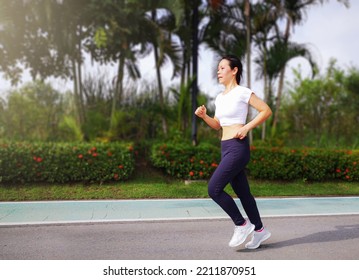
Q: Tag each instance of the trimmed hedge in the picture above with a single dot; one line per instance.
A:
(188, 162)
(101, 162)
(307, 164)
(65, 162)
(184, 161)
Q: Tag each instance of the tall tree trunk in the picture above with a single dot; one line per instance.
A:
(76, 92)
(159, 82)
(117, 97)
(78, 99)
(194, 87)
(281, 82)
(80, 90)
(278, 101)
(266, 88)
(81, 100)
(183, 68)
(248, 46)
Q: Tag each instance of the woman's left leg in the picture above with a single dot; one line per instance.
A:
(220, 178)
(241, 188)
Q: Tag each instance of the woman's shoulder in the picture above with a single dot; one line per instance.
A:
(244, 93)
(241, 88)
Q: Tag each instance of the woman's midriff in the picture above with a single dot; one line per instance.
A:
(230, 132)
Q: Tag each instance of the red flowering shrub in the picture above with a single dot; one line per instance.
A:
(185, 161)
(308, 164)
(348, 167)
(65, 162)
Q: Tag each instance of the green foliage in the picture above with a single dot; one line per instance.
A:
(42, 36)
(187, 162)
(67, 162)
(274, 164)
(140, 118)
(53, 38)
(348, 166)
(32, 113)
(322, 112)
(184, 105)
(306, 164)
(100, 37)
(70, 130)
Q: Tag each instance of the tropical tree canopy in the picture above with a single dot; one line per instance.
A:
(52, 38)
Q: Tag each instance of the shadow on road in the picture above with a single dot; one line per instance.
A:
(340, 233)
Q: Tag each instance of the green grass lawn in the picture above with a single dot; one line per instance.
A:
(149, 183)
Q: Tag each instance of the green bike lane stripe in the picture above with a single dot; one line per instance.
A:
(92, 211)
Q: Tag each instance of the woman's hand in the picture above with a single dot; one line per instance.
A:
(201, 111)
(242, 132)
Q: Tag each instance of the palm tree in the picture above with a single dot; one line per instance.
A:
(263, 22)
(120, 35)
(164, 47)
(283, 53)
(188, 18)
(293, 12)
(70, 21)
(226, 31)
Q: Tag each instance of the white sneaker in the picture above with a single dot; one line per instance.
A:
(257, 238)
(240, 234)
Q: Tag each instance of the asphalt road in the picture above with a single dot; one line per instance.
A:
(293, 238)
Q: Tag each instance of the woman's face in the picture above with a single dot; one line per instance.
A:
(224, 72)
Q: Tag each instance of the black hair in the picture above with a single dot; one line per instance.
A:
(234, 61)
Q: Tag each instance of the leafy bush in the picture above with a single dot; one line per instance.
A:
(184, 161)
(320, 164)
(274, 163)
(348, 166)
(187, 162)
(49, 162)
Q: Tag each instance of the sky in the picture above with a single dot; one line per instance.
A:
(330, 31)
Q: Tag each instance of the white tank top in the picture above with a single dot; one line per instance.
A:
(232, 107)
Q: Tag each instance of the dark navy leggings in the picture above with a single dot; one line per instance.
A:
(234, 157)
